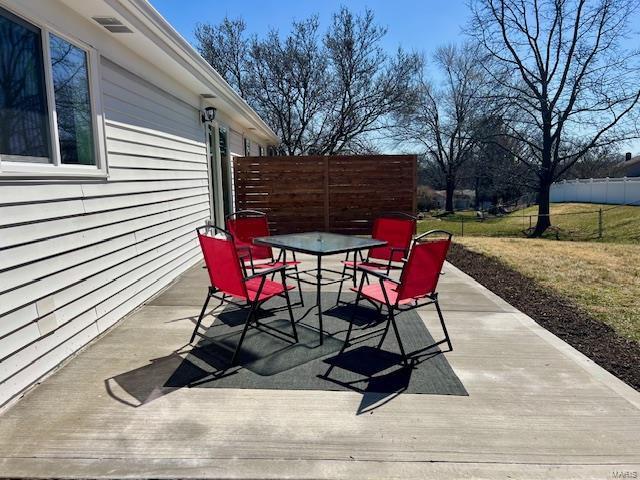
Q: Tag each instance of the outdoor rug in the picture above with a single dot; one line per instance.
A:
(271, 361)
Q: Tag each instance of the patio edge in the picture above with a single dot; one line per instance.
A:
(608, 379)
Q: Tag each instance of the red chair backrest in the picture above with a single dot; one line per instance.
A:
(245, 229)
(421, 273)
(221, 259)
(397, 232)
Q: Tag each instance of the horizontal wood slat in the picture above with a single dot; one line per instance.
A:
(341, 194)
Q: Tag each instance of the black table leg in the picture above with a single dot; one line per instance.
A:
(318, 298)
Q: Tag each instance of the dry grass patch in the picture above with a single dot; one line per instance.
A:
(602, 278)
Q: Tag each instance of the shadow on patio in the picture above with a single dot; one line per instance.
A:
(271, 362)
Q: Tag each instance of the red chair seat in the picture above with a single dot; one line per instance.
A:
(269, 290)
(274, 264)
(367, 265)
(374, 293)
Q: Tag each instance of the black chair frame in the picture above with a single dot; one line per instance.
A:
(390, 265)
(252, 305)
(431, 299)
(281, 255)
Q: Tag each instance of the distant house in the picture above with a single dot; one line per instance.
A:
(110, 156)
(463, 199)
(631, 167)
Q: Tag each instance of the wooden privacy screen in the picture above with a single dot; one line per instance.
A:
(339, 194)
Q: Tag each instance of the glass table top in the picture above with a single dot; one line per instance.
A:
(319, 243)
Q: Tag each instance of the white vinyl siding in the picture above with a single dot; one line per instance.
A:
(75, 257)
(236, 143)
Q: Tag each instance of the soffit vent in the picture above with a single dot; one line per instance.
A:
(113, 24)
(118, 29)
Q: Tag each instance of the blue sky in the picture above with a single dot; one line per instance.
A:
(415, 25)
(419, 25)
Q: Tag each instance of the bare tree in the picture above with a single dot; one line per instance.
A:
(444, 118)
(367, 86)
(287, 83)
(323, 94)
(562, 79)
(226, 48)
(493, 171)
(598, 163)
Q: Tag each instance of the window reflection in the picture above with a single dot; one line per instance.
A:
(24, 122)
(73, 107)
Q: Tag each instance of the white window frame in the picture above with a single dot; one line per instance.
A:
(55, 168)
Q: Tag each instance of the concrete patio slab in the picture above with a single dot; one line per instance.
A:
(536, 409)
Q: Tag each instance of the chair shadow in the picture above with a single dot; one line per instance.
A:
(375, 366)
(143, 384)
(236, 316)
(365, 316)
(149, 382)
(268, 350)
(381, 374)
(192, 366)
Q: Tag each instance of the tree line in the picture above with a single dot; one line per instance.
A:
(538, 89)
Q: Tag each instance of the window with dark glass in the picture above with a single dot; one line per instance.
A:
(46, 114)
(24, 121)
(70, 73)
(247, 147)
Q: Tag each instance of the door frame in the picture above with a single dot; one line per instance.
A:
(214, 168)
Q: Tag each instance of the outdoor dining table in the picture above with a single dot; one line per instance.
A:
(319, 244)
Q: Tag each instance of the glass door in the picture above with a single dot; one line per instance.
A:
(226, 170)
(219, 164)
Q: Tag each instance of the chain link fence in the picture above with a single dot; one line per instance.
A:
(578, 222)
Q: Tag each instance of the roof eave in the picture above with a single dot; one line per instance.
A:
(148, 15)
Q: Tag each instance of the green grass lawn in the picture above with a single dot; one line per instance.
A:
(575, 221)
(601, 275)
(602, 278)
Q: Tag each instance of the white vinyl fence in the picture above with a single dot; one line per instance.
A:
(615, 191)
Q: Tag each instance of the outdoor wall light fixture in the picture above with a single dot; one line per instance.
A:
(208, 114)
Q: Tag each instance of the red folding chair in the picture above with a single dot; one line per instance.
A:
(397, 230)
(228, 279)
(245, 225)
(416, 287)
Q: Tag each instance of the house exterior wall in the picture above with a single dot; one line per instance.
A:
(633, 170)
(76, 255)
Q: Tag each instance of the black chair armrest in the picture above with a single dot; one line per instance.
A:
(399, 249)
(378, 275)
(263, 273)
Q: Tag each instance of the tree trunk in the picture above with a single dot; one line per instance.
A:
(544, 220)
(450, 187)
(545, 177)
